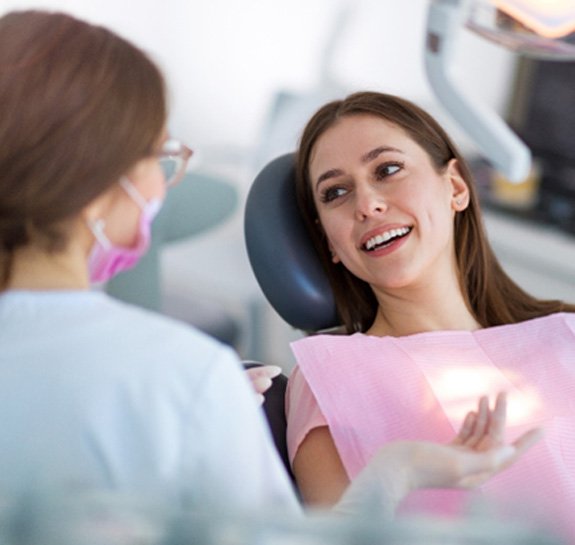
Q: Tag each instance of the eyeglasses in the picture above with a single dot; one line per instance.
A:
(174, 158)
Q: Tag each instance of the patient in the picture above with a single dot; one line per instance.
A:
(432, 319)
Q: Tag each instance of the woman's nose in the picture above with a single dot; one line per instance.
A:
(369, 202)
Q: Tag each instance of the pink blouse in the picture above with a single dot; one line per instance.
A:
(371, 390)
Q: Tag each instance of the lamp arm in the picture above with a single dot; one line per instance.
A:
(499, 144)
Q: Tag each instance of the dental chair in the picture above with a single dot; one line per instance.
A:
(274, 409)
(281, 253)
(287, 269)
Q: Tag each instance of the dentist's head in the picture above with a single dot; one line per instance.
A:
(82, 130)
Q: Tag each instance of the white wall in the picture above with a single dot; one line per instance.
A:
(225, 59)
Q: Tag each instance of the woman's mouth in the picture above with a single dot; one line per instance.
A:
(385, 239)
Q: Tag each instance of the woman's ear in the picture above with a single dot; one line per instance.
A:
(98, 207)
(459, 188)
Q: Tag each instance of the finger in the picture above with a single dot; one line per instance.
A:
(261, 384)
(497, 419)
(260, 399)
(481, 423)
(269, 371)
(478, 467)
(527, 440)
(488, 463)
(466, 429)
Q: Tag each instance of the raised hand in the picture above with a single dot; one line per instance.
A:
(477, 453)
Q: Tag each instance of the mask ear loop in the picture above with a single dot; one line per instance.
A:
(129, 188)
(97, 227)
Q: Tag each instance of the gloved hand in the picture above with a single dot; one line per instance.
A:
(477, 453)
(261, 378)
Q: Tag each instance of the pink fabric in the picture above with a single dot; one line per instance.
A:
(372, 390)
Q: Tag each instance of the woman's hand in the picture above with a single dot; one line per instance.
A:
(477, 453)
(484, 428)
(261, 378)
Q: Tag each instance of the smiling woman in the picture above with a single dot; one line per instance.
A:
(389, 197)
(412, 151)
(435, 322)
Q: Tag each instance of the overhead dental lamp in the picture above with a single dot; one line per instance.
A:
(544, 29)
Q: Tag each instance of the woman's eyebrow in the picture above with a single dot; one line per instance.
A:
(334, 172)
(366, 158)
(376, 152)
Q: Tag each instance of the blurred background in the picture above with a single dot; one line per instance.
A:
(243, 79)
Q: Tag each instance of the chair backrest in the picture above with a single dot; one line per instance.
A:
(274, 408)
(281, 253)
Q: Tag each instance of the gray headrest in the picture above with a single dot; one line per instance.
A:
(281, 253)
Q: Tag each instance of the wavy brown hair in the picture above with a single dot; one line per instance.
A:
(492, 296)
(79, 106)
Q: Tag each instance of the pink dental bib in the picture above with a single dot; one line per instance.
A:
(372, 390)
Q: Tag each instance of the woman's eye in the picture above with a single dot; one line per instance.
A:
(331, 193)
(387, 169)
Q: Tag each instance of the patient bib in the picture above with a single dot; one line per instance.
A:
(372, 390)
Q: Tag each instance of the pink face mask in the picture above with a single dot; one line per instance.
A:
(107, 260)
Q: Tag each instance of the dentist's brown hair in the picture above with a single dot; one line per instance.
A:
(79, 106)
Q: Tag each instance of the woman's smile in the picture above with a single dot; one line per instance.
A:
(386, 239)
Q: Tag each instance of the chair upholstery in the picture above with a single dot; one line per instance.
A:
(281, 253)
(274, 407)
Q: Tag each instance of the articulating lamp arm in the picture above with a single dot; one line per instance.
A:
(500, 145)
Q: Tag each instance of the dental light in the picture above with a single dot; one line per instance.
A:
(543, 29)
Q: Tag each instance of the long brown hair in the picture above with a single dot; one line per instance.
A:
(492, 296)
(79, 106)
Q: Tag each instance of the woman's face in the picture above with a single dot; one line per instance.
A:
(387, 213)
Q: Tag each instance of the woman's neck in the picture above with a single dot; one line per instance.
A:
(439, 307)
(35, 269)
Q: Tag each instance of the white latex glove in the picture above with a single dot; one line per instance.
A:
(477, 453)
(261, 378)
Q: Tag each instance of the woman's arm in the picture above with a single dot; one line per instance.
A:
(319, 472)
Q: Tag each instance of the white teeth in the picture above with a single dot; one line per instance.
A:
(385, 237)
